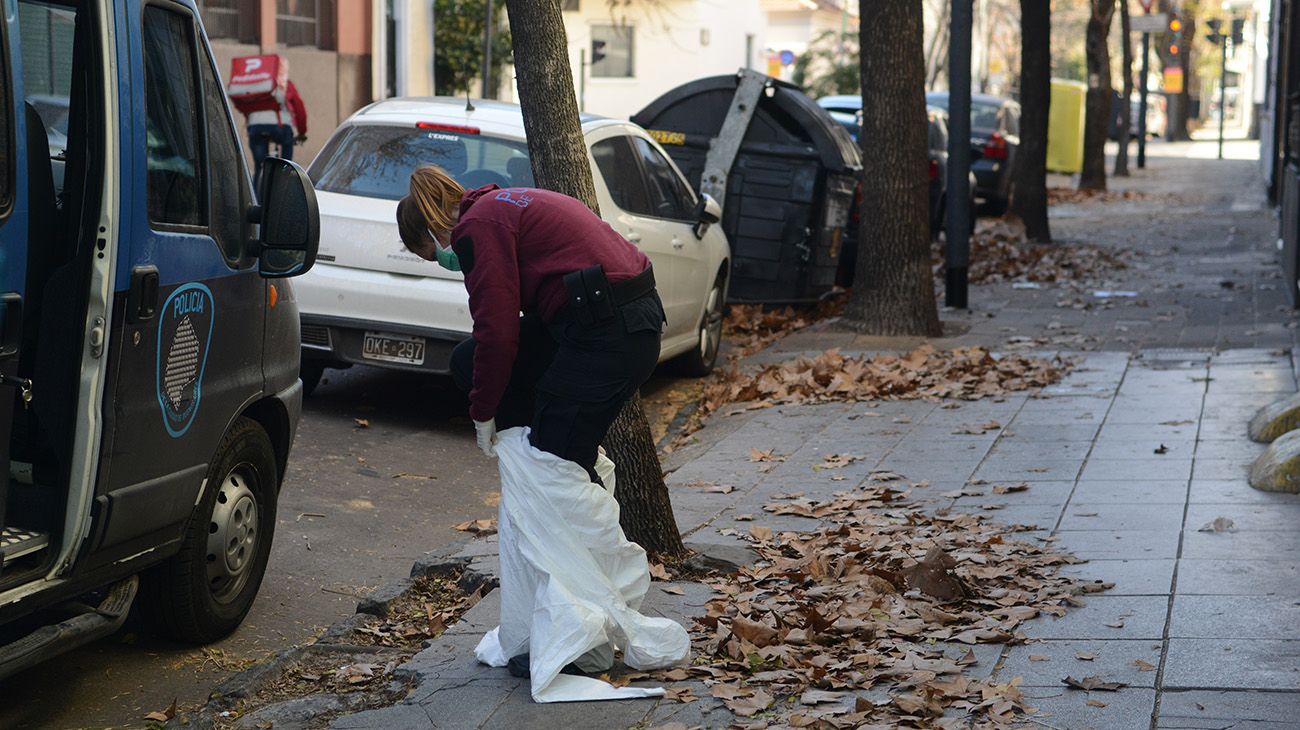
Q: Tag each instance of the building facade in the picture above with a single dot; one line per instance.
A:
(625, 56)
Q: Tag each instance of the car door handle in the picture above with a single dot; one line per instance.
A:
(142, 299)
(634, 237)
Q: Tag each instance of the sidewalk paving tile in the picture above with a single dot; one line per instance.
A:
(1039, 492)
(1234, 663)
(1235, 492)
(1231, 617)
(1105, 617)
(1111, 660)
(1139, 491)
(1048, 467)
(1049, 432)
(1275, 576)
(1142, 448)
(1168, 467)
(1015, 449)
(1245, 545)
(1238, 448)
(1082, 514)
(1223, 709)
(1268, 517)
(1119, 544)
(1223, 468)
(1166, 433)
(519, 711)
(1035, 516)
(1131, 577)
(1068, 709)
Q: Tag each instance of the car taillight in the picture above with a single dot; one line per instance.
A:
(996, 147)
(934, 169)
(440, 127)
(857, 204)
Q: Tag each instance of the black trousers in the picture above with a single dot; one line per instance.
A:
(570, 380)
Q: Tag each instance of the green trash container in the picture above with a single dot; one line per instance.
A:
(1065, 126)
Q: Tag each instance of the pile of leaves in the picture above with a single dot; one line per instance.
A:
(1058, 196)
(752, 327)
(969, 373)
(999, 252)
(423, 612)
(867, 602)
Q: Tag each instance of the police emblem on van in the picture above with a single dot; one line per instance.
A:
(184, 335)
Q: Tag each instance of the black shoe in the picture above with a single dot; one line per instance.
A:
(518, 667)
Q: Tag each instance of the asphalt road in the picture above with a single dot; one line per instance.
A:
(359, 505)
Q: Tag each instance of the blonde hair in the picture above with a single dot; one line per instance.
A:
(437, 196)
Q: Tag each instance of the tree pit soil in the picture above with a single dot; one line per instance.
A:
(353, 668)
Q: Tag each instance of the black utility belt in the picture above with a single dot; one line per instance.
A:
(591, 298)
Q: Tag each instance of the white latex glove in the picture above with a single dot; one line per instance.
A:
(487, 436)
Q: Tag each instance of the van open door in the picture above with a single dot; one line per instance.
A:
(15, 541)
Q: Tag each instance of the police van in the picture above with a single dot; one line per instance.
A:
(149, 344)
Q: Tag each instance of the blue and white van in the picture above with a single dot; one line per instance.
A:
(149, 345)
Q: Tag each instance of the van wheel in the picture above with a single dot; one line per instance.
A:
(699, 361)
(310, 373)
(203, 593)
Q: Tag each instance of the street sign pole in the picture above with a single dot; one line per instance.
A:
(487, 92)
(959, 213)
(1223, 88)
(1142, 101)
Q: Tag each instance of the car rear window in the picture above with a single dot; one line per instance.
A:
(375, 161)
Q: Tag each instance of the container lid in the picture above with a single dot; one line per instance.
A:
(785, 118)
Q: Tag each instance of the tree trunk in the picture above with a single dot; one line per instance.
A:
(1125, 108)
(559, 162)
(894, 294)
(1093, 176)
(1029, 187)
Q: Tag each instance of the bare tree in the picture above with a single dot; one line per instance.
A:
(1126, 93)
(1029, 189)
(559, 162)
(1093, 175)
(894, 293)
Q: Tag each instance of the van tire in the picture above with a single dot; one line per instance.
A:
(180, 598)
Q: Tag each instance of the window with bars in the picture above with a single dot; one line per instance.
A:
(305, 23)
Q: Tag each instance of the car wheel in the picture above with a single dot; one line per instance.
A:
(310, 374)
(203, 592)
(699, 361)
(995, 207)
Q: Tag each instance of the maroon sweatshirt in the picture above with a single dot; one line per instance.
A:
(515, 245)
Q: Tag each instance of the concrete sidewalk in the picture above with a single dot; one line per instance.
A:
(1217, 614)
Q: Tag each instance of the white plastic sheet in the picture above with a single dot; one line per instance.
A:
(571, 583)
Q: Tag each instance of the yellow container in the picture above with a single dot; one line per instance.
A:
(1065, 126)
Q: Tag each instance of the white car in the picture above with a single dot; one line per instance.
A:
(370, 301)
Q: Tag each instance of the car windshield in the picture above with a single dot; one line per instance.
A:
(375, 161)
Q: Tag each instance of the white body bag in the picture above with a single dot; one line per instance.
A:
(571, 583)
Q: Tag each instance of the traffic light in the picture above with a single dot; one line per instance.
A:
(1175, 25)
(1173, 49)
(597, 50)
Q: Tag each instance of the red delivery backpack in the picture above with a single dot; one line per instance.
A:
(253, 81)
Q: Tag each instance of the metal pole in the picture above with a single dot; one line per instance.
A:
(582, 79)
(1142, 101)
(1223, 87)
(959, 153)
(487, 92)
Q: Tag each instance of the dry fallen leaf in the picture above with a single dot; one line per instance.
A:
(162, 715)
(1144, 666)
(1085, 656)
(362, 422)
(675, 590)
(658, 571)
(1096, 703)
(1009, 488)
(1039, 658)
(479, 528)
(1094, 683)
(1219, 524)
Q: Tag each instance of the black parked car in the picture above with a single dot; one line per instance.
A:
(847, 110)
(995, 136)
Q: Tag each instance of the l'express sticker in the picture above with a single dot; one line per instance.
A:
(184, 337)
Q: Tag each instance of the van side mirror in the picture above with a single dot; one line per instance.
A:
(707, 213)
(289, 220)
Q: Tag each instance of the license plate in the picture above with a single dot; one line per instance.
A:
(393, 348)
